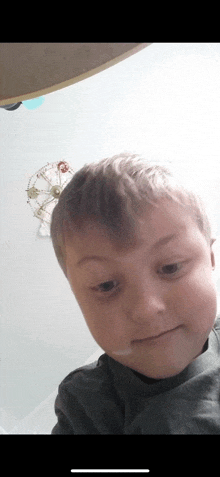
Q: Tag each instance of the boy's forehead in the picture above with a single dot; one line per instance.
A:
(153, 225)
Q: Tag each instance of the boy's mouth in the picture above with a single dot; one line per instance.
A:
(154, 338)
(150, 339)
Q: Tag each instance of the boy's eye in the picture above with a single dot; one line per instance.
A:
(170, 269)
(107, 286)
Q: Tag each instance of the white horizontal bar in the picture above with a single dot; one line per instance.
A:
(110, 470)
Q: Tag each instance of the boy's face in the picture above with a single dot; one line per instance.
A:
(150, 307)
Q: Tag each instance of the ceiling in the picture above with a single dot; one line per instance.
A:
(29, 70)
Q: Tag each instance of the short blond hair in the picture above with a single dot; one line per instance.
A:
(114, 192)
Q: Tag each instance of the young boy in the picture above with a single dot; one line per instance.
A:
(136, 248)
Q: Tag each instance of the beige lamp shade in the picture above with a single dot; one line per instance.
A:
(30, 70)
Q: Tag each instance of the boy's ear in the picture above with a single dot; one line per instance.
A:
(212, 253)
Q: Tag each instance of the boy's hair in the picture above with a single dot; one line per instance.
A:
(114, 193)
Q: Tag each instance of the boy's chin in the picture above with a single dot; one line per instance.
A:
(153, 372)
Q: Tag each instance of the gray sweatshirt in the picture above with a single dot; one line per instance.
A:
(107, 397)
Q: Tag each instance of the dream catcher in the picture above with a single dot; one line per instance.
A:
(44, 189)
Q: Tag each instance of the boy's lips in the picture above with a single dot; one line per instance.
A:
(155, 337)
(149, 340)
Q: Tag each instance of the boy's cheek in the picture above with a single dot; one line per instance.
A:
(198, 302)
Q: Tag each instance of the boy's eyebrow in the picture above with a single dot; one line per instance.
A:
(92, 257)
(164, 240)
(161, 242)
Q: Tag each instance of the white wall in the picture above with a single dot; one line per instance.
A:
(163, 102)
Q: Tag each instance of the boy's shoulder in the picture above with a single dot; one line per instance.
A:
(86, 401)
(90, 375)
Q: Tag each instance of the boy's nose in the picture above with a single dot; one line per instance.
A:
(147, 304)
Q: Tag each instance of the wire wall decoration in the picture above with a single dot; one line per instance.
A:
(44, 189)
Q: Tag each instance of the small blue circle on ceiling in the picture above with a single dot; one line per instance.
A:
(33, 103)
